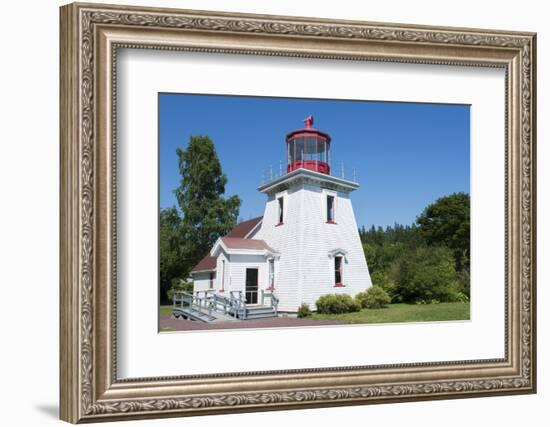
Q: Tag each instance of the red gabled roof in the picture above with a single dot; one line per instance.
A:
(240, 243)
(244, 228)
(208, 263)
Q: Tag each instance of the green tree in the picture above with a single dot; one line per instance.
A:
(426, 274)
(207, 214)
(447, 222)
(383, 246)
(171, 266)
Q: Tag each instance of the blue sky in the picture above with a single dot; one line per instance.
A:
(406, 155)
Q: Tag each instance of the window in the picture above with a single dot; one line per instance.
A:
(272, 274)
(338, 270)
(211, 281)
(330, 209)
(281, 209)
(223, 275)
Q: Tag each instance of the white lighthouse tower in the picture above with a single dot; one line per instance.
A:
(309, 222)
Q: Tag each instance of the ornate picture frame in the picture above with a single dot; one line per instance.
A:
(90, 37)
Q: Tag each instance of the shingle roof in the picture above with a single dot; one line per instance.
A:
(245, 227)
(208, 263)
(234, 240)
(239, 243)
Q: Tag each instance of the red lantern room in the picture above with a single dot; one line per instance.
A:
(308, 148)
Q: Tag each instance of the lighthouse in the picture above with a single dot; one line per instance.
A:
(309, 221)
(304, 246)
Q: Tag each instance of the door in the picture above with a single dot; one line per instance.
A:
(251, 290)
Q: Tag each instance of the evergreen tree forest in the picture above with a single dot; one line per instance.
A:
(425, 262)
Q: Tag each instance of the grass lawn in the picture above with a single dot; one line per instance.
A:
(404, 313)
(394, 313)
(166, 309)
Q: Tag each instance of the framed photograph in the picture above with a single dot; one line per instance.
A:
(267, 212)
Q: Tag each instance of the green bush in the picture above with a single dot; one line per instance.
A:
(304, 311)
(464, 282)
(374, 297)
(462, 297)
(457, 296)
(179, 285)
(383, 280)
(426, 274)
(337, 304)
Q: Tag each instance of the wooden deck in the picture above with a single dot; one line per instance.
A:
(210, 307)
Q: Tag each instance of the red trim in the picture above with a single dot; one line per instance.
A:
(340, 271)
(331, 222)
(313, 165)
(306, 134)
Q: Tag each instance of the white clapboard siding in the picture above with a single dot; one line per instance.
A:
(320, 238)
(305, 239)
(285, 239)
(222, 273)
(201, 281)
(239, 264)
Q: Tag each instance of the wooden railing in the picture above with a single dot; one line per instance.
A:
(273, 300)
(238, 304)
(220, 303)
(195, 302)
(206, 301)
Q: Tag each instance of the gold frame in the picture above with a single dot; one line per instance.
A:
(90, 36)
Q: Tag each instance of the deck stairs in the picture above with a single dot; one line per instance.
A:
(210, 307)
(192, 314)
(260, 312)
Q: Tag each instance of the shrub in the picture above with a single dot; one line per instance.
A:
(462, 297)
(457, 296)
(336, 304)
(464, 282)
(304, 311)
(374, 297)
(179, 285)
(426, 274)
(383, 280)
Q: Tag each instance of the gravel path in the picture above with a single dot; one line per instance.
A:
(167, 321)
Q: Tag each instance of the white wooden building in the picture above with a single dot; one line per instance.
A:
(307, 242)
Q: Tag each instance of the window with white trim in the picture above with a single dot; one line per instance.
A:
(280, 202)
(211, 280)
(272, 273)
(330, 208)
(338, 270)
(223, 276)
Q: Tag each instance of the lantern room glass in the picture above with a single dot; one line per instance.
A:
(310, 152)
(308, 148)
